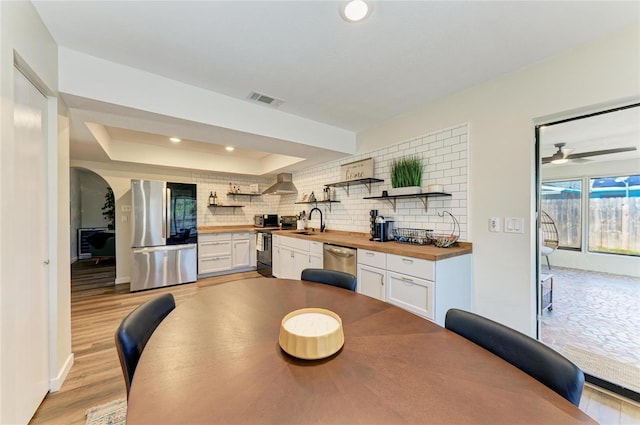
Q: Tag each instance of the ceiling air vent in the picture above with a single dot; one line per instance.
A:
(263, 98)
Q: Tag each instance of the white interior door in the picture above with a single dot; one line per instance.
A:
(30, 349)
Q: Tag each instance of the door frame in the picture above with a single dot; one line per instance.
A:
(553, 120)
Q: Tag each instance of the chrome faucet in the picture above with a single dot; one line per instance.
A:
(311, 212)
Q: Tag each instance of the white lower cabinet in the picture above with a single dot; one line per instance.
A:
(411, 293)
(243, 250)
(316, 255)
(275, 255)
(295, 255)
(214, 253)
(424, 287)
(221, 253)
(371, 281)
(372, 273)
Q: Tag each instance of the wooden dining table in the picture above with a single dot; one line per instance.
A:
(216, 360)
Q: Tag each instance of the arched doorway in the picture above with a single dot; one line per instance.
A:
(92, 216)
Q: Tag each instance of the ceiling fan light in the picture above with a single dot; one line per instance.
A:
(559, 161)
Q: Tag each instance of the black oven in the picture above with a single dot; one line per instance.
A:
(265, 220)
(263, 246)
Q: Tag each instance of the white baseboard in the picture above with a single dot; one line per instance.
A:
(121, 280)
(56, 382)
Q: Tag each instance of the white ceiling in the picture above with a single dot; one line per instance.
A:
(350, 76)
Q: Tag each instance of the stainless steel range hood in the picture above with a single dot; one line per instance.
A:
(283, 185)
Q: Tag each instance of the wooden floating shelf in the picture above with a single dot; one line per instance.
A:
(319, 202)
(225, 206)
(250, 195)
(421, 196)
(345, 184)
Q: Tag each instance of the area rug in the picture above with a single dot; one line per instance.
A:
(112, 413)
(626, 375)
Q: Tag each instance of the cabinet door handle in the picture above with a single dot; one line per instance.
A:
(406, 279)
(406, 260)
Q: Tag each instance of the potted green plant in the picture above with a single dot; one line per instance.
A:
(406, 175)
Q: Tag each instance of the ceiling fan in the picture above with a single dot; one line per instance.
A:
(564, 154)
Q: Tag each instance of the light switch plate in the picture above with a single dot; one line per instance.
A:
(494, 224)
(514, 225)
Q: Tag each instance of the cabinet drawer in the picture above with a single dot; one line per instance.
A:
(372, 258)
(209, 237)
(243, 236)
(417, 267)
(214, 264)
(214, 248)
(316, 247)
(300, 244)
(275, 240)
(411, 293)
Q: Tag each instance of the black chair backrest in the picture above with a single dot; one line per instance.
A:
(522, 351)
(136, 329)
(330, 277)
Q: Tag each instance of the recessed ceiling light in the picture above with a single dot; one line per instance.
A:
(229, 148)
(175, 140)
(355, 10)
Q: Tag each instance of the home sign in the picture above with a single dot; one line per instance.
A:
(357, 170)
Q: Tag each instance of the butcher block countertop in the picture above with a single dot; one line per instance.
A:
(228, 229)
(361, 240)
(356, 240)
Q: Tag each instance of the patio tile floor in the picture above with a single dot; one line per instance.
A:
(597, 312)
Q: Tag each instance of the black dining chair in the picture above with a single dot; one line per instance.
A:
(522, 351)
(136, 329)
(330, 277)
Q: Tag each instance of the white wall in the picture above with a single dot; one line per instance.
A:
(501, 116)
(23, 34)
(608, 263)
(74, 212)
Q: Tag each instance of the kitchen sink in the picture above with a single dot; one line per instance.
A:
(304, 232)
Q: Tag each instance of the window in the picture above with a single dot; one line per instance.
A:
(614, 215)
(562, 201)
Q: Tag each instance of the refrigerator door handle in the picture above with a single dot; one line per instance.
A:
(166, 215)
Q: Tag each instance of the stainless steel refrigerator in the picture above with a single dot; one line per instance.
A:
(164, 235)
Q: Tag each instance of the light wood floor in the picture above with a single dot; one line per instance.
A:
(97, 307)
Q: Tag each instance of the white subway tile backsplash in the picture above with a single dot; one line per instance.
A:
(445, 156)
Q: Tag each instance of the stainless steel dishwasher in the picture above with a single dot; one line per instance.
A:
(340, 258)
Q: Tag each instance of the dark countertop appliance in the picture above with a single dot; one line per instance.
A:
(265, 220)
(288, 222)
(382, 230)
